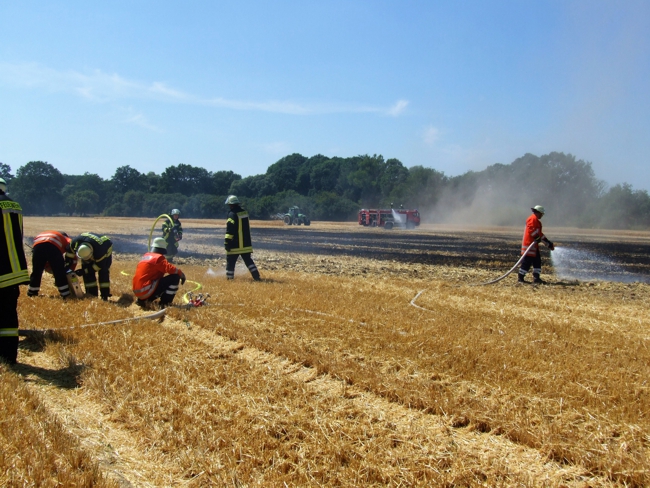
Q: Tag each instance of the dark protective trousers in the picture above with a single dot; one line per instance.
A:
(90, 278)
(231, 261)
(9, 323)
(166, 289)
(535, 262)
(41, 255)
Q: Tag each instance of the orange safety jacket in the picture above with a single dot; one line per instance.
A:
(532, 233)
(53, 237)
(148, 273)
(61, 242)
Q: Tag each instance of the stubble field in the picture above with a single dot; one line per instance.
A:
(363, 358)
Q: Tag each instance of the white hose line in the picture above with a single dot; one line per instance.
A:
(38, 332)
(511, 269)
(415, 298)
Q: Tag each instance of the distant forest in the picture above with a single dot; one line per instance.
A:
(336, 188)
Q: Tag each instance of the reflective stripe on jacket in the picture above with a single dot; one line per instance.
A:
(532, 232)
(151, 268)
(102, 247)
(238, 232)
(13, 265)
(53, 237)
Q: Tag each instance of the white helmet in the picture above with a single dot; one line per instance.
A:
(159, 244)
(175, 212)
(3, 185)
(232, 200)
(538, 208)
(84, 252)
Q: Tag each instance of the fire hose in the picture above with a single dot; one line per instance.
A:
(163, 216)
(39, 332)
(511, 269)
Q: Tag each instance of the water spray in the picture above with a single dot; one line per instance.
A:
(579, 264)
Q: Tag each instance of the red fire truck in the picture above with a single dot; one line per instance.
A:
(389, 218)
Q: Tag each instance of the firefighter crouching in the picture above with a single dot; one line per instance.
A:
(95, 253)
(49, 254)
(238, 239)
(13, 273)
(150, 282)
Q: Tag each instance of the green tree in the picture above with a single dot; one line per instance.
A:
(324, 174)
(185, 179)
(5, 173)
(83, 202)
(37, 187)
(127, 178)
(624, 208)
(284, 173)
(222, 181)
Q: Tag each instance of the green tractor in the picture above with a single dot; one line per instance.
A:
(294, 217)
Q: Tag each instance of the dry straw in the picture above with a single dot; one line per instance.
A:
(330, 376)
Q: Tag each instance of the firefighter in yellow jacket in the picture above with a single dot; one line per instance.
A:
(238, 239)
(13, 273)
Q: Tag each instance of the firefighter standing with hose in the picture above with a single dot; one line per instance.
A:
(13, 273)
(532, 257)
(150, 282)
(95, 253)
(238, 239)
(49, 254)
(172, 233)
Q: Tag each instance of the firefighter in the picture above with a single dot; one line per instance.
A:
(172, 232)
(95, 253)
(49, 254)
(155, 277)
(238, 239)
(13, 273)
(533, 235)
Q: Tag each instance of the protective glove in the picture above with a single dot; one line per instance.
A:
(79, 272)
(227, 247)
(551, 246)
(68, 271)
(182, 278)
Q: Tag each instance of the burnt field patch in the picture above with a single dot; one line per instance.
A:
(491, 250)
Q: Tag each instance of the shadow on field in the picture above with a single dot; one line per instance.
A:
(67, 377)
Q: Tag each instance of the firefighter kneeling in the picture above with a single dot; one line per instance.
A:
(150, 281)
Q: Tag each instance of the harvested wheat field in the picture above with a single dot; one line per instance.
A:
(364, 358)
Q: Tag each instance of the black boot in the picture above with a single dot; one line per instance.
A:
(537, 280)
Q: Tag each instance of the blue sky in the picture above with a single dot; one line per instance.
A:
(236, 85)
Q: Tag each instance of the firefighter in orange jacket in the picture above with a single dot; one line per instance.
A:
(533, 235)
(49, 254)
(150, 281)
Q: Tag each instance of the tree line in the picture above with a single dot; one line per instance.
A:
(334, 188)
